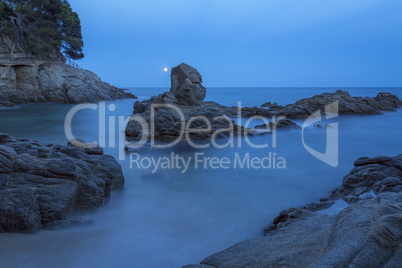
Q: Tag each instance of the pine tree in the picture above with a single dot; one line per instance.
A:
(42, 27)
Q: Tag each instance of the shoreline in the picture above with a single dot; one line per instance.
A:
(356, 119)
(53, 82)
(363, 229)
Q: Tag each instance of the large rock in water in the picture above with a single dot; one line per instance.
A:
(352, 105)
(169, 124)
(367, 232)
(53, 82)
(40, 186)
(347, 105)
(186, 85)
(187, 95)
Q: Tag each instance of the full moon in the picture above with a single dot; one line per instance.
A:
(166, 69)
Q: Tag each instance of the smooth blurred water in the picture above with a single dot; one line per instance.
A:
(169, 219)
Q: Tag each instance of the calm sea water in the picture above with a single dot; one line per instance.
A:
(169, 219)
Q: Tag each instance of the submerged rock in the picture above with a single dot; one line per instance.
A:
(367, 233)
(40, 186)
(53, 82)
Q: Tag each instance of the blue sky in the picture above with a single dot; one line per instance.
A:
(254, 43)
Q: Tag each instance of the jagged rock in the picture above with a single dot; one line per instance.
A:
(186, 95)
(40, 186)
(186, 88)
(143, 106)
(169, 123)
(186, 85)
(379, 174)
(347, 105)
(366, 233)
(55, 82)
(388, 101)
(269, 105)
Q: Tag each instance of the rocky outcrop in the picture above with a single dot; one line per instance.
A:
(168, 121)
(347, 105)
(187, 115)
(186, 99)
(169, 124)
(379, 174)
(186, 88)
(186, 85)
(52, 82)
(40, 186)
(269, 105)
(359, 225)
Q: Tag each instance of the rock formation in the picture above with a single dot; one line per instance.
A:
(366, 231)
(187, 95)
(269, 105)
(168, 122)
(40, 186)
(186, 88)
(52, 82)
(347, 105)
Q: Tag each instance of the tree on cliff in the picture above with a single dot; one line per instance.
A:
(44, 28)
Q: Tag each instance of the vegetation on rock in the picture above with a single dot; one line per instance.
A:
(44, 28)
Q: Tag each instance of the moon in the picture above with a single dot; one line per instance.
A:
(166, 69)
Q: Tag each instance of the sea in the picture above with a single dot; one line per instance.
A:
(170, 217)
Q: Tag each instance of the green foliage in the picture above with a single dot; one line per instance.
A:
(44, 26)
(5, 13)
(2, 10)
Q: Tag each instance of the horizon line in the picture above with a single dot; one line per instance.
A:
(344, 87)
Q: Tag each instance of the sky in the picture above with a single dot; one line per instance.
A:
(253, 43)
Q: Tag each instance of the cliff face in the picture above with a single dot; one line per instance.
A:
(53, 82)
(27, 80)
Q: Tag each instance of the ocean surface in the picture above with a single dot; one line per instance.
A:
(171, 218)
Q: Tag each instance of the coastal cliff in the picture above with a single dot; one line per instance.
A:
(28, 79)
(52, 82)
